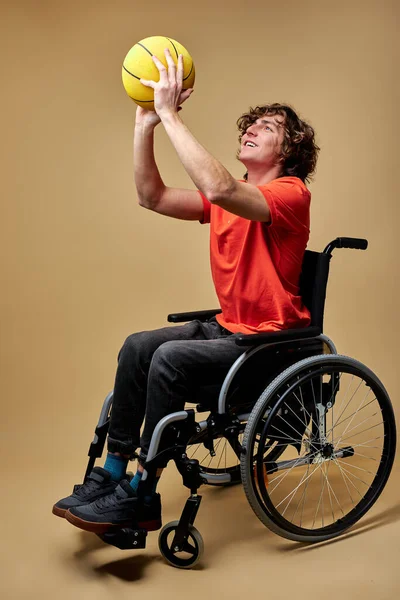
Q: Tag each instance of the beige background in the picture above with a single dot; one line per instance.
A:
(83, 266)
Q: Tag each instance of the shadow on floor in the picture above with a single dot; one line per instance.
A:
(128, 568)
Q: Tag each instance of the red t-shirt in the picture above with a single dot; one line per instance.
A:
(256, 266)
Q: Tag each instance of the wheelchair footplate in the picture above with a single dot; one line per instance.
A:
(125, 538)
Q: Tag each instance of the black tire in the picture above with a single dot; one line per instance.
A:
(293, 423)
(193, 551)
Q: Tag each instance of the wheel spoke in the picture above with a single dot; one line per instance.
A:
(295, 489)
(350, 398)
(331, 488)
(295, 414)
(350, 464)
(354, 415)
(359, 424)
(352, 474)
(187, 547)
(305, 495)
(285, 473)
(344, 475)
(359, 433)
(364, 444)
(321, 496)
(219, 462)
(365, 456)
(343, 420)
(302, 496)
(329, 493)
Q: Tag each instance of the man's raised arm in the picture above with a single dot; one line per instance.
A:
(152, 192)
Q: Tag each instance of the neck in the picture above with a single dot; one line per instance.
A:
(259, 176)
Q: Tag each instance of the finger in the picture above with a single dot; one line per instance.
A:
(161, 68)
(148, 83)
(185, 95)
(171, 66)
(179, 74)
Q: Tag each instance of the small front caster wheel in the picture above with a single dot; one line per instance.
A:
(192, 550)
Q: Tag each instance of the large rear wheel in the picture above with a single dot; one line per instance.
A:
(330, 420)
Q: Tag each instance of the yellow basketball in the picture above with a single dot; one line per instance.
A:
(138, 64)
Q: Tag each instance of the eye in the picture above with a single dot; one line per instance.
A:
(268, 127)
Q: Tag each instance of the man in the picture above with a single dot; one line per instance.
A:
(259, 232)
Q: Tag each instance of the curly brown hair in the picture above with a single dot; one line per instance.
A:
(299, 150)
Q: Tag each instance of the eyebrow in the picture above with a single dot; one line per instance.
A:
(276, 124)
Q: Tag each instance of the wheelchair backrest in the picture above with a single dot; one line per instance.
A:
(313, 282)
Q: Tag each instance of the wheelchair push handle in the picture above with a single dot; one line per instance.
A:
(347, 242)
(355, 243)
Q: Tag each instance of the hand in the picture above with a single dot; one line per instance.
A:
(147, 117)
(168, 94)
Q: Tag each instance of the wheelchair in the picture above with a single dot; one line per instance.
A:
(309, 433)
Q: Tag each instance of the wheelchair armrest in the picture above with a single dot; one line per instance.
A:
(286, 335)
(201, 315)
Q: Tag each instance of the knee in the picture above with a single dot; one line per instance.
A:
(130, 347)
(167, 355)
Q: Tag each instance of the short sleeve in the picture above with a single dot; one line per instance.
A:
(289, 202)
(207, 210)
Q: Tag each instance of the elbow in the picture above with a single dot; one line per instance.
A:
(145, 203)
(213, 197)
(142, 202)
(146, 200)
(149, 198)
(217, 195)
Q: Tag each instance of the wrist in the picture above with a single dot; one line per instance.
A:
(169, 116)
(145, 126)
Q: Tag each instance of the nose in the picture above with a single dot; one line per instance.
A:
(252, 130)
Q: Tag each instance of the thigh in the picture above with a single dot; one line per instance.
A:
(200, 361)
(142, 345)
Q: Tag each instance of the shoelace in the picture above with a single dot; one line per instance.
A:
(86, 488)
(109, 500)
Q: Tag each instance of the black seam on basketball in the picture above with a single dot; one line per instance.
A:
(176, 51)
(144, 48)
(135, 76)
(177, 56)
(191, 69)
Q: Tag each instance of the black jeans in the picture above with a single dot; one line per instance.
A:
(157, 373)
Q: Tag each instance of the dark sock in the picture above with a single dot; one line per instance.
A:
(148, 499)
(116, 465)
(143, 486)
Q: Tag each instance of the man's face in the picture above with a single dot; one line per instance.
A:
(262, 141)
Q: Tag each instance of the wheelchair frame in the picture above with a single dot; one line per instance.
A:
(180, 428)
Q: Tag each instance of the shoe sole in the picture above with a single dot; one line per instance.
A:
(59, 512)
(106, 527)
(150, 525)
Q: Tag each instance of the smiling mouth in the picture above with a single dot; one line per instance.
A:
(250, 145)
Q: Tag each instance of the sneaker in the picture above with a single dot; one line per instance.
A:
(97, 485)
(122, 508)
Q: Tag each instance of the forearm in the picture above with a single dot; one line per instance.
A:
(206, 172)
(149, 184)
